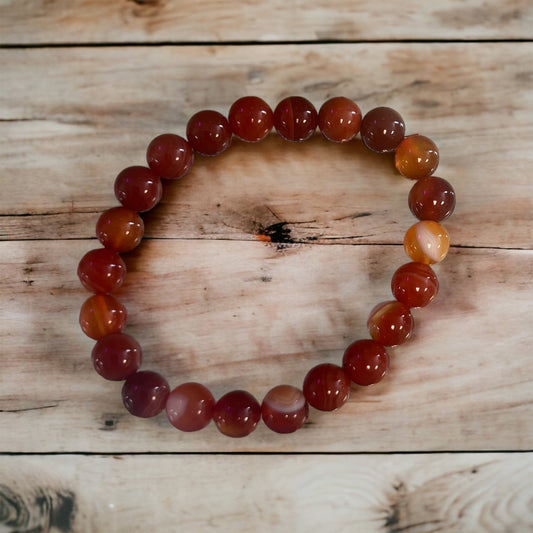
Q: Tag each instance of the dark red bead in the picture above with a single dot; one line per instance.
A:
(390, 323)
(431, 198)
(101, 315)
(415, 284)
(116, 356)
(326, 387)
(209, 132)
(365, 361)
(138, 188)
(120, 229)
(169, 156)
(237, 413)
(102, 270)
(250, 119)
(145, 393)
(382, 129)
(190, 407)
(339, 119)
(295, 118)
(284, 409)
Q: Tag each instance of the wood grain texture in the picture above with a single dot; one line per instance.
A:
(378, 494)
(75, 21)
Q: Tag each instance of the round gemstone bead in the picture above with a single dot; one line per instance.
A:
(209, 132)
(138, 188)
(169, 156)
(426, 242)
(366, 362)
(237, 413)
(326, 387)
(284, 409)
(339, 119)
(120, 229)
(102, 270)
(295, 118)
(417, 156)
(116, 356)
(190, 407)
(101, 315)
(390, 323)
(382, 129)
(145, 393)
(415, 284)
(431, 198)
(250, 118)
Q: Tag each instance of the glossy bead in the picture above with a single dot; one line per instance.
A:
(145, 393)
(284, 409)
(250, 119)
(116, 356)
(417, 156)
(382, 129)
(414, 284)
(101, 315)
(390, 323)
(431, 198)
(237, 413)
(426, 242)
(102, 270)
(339, 119)
(208, 132)
(366, 362)
(120, 229)
(326, 387)
(190, 407)
(169, 156)
(138, 188)
(295, 118)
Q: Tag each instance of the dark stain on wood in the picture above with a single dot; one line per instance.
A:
(276, 233)
(110, 421)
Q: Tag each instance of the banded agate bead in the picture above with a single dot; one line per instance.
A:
(431, 198)
(295, 119)
(250, 118)
(116, 356)
(237, 414)
(382, 129)
(101, 315)
(416, 156)
(426, 242)
(145, 393)
(138, 188)
(414, 284)
(102, 270)
(326, 387)
(365, 362)
(208, 132)
(339, 119)
(190, 407)
(284, 409)
(169, 156)
(390, 323)
(120, 229)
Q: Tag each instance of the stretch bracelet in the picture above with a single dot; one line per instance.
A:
(285, 408)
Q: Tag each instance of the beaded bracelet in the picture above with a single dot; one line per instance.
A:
(191, 406)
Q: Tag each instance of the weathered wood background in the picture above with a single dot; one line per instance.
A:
(444, 443)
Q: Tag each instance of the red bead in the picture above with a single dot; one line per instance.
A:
(208, 132)
(366, 362)
(431, 198)
(145, 393)
(339, 119)
(415, 284)
(326, 387)
(295, 119)
(102, 270)
(120, 229)
(390, 323)
(138, 188)
(237, 413)
(250, 119)
(416, 156)
(169, 156)
(284, 409)
(101, 315)
(190, 407)
(382, 129)
(116, 356)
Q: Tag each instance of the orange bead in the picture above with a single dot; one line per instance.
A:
(416, 157)
(120, 229)
(102, 315)
(339, 119)
(426, 242)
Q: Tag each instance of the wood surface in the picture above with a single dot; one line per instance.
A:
(442, 444)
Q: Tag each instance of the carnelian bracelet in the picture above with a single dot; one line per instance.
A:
(191, 406)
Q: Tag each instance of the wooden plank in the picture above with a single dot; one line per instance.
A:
(71, 120)
(88, 21)
(375, 494)
(251, 315)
